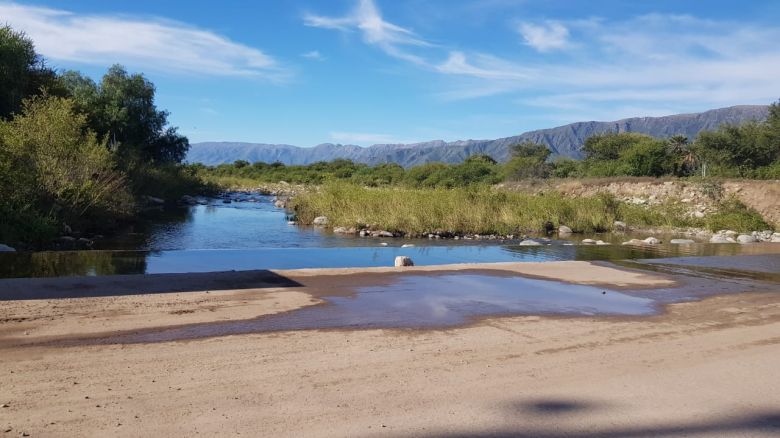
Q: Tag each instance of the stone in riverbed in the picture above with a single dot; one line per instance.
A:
(563, 229)
(401, 261)
(722, 239)
(681, 241)
(588, 242)
(320, 221)
(746, 238)
(409, 245)
(652, 241)
(620, 226)
(529, 242)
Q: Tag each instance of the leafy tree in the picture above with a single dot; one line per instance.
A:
(23, 72)
(528, 161)
(121, 109)
(529, 149)
(238, 164)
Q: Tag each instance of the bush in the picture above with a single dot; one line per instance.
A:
(734, 215)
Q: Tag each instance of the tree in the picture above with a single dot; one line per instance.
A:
(682, 155)
(23, 72)
(122, 109)
(529, 149)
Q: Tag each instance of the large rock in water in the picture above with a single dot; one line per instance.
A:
(681, 241)
(563, 229)
(746, 238)
(320, 221)
(401, 261)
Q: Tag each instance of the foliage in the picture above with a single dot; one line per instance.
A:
(121, 109)
(57, 169)
(415, 211)
(22, 72)
(734, 215)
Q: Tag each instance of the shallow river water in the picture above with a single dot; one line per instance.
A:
(244, 235)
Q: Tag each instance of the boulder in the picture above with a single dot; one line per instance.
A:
(746, 238)
(188, 200)
(383, 244)
(563, 229)
(718, 238)
(601, 242)
(652, 241)
(410, 245)
(635, 242)
(619, 226)
(401, 261)
(382, 234)
(320, 221)
(6, 248)
(529, 242)
(588, 242)
(681, 241)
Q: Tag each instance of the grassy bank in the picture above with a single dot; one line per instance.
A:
(485, 210)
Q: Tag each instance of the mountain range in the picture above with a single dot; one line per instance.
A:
(566, 140)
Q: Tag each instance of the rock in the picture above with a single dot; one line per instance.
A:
(320, 221)
(588, 242)
(620, 226)
(728, 233)
(652, 241)
(681, 241)
(383, 244)
(6, 248)
(529, 242)
(746, 238)
(364, 233)
(291, 222)
(722, 239)
(563, 229)
(279, 203)
(188, 200)
(401, 261)
(775, 239)
(344, 230)
(601, 242)
(698, 214)
(409, 245)
(382, 234)
(153, 200)
(634, 242)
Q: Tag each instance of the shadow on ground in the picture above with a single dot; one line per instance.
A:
(116, 285)
(553, 411)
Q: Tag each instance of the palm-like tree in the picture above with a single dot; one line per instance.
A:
(684, 157)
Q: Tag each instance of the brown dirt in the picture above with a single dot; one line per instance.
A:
(705, 368)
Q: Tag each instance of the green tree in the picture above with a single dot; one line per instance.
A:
(122, 109)
(528, 160)
(23, 72)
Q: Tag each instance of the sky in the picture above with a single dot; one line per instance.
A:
(401, 71)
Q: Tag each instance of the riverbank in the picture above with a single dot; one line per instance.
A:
(546, 376)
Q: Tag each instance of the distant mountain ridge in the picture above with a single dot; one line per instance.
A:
(566, 140)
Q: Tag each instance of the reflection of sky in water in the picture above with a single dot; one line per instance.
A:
(418, 301)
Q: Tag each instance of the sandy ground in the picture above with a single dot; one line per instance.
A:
(707, 368)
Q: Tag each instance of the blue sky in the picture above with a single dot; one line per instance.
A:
(363, 72)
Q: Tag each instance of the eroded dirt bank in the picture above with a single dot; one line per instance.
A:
(706, 368)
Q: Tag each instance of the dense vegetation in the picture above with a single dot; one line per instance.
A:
(751, 150)
(75, 154)
(485, 210)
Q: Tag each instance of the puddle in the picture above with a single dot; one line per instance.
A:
(424, 301)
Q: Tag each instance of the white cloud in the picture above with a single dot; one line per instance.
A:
(365, 139)
(544, 37)
(314, 55)
(150, 44)
(366, 19)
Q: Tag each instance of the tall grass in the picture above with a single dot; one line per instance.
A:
(482, 210)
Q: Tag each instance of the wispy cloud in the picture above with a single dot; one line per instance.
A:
(151, 44)
(365, 139)
(546, 36)
(366, 19)
(314, 55)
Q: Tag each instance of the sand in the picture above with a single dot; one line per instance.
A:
(706, 368)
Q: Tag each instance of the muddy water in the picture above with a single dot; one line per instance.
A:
(448, 299)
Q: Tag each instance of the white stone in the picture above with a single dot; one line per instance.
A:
(383, 244)
(409, 245)
(529, 242)
(721, 239)
(402, 261)
(681, 241)
(652, 241)
(746, 238)
(320, 220)
(588, 242)
(601, 242)
(563, 229)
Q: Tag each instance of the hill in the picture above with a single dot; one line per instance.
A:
(564, 140)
